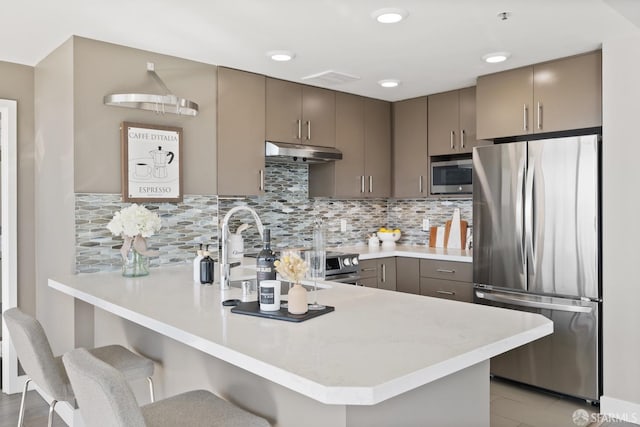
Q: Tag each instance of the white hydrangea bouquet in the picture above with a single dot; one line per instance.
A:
(135, 223)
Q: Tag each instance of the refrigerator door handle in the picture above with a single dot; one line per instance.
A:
(519, 214)
(528, 218)
(532, 304)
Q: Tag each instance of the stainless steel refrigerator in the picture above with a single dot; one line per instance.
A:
(536, 238)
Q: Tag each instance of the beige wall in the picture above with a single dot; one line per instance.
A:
(16, 82)
(621, 228)
(103, 68)
(55, 202)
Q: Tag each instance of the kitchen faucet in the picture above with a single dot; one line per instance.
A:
(225, 267)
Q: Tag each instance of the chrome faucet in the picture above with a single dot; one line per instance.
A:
(225, 267)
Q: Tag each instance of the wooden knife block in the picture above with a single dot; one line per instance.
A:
(433, 231)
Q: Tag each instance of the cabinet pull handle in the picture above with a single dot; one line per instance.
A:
(452, 135)
(309, 129)
(442, 270)
(462, 138)
(299, 129)
(370, 183)
(384, 273)
(445, 292)
(420, 183)
(539, 115)
(524, 117)
(368, 269)
(261, 184)
(362, 189)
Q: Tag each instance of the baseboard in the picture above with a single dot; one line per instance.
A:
(620, 409)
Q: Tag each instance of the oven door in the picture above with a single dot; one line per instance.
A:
(452, 177)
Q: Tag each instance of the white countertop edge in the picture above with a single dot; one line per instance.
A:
(383, 253)
(324, 394)
(409, 251)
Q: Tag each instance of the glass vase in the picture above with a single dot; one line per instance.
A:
(135, 264)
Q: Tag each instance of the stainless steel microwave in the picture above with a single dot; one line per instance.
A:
(451, 176)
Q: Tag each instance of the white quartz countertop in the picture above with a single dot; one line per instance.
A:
(376, 345)
(411, 251)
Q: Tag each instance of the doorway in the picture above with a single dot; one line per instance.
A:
(8, 236)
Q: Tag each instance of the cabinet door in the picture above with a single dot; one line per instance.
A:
(467, 137)
(503, 103)
(319, 116)
(410, 172)
(377, 155)
(448, 289)
(568, 93)
(443, 124)
(349, 171)
(447, 270)
(408, 275)
(241, 122)
(387, 273)
(284, 111)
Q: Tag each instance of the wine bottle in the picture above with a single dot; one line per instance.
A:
(264, 262)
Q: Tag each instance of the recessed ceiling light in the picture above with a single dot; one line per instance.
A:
(281, 55)
(389, 83)
(495, 57)
(389, 15)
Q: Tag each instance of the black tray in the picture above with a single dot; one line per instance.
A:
(252, 308)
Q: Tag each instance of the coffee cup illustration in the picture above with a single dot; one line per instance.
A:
(142, 170)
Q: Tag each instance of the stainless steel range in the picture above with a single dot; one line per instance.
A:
(342, 267)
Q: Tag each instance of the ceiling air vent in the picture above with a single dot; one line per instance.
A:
(330, 77)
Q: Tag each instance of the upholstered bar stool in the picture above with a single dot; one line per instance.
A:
(47, 371)
(105, 400)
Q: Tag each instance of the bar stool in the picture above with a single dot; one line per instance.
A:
(105, 399)
(38, 362)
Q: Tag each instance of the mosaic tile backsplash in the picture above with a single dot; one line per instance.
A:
(285, 208)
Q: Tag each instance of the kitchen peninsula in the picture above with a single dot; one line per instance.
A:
(381, 358)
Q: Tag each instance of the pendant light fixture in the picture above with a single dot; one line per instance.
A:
(161, 104)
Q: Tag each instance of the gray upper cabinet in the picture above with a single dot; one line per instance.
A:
(410, 160)
(553, 96)
(241, 124)
(299, 114)
(363, 135)
(377, 143)
(452, 122)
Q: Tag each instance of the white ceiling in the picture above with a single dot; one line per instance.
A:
(437, 48)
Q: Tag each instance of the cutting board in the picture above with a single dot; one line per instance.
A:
(433, 233)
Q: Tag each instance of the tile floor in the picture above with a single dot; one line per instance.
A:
(517, 406)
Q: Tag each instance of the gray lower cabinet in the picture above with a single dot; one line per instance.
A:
(378, 273)
(446, 279)
(408, 275)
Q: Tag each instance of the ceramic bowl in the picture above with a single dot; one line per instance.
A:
(389, 236)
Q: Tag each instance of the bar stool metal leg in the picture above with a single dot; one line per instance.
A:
(151, 392)
(51, 412)
(22, 401)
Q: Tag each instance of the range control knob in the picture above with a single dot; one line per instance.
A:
(354, 261)
(347, 262)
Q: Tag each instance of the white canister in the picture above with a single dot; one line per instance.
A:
(269, 295)
(236, 246)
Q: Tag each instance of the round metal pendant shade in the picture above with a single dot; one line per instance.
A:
(157, 103)
(160, 104)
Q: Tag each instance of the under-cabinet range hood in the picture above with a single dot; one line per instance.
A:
(297, 153)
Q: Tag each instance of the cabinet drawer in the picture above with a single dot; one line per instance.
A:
(369, 282)
(448, 289)
(369, 268)
(448, 270)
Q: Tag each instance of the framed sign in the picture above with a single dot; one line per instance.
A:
(151, 163)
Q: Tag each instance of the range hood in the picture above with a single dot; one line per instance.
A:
(298, 153)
